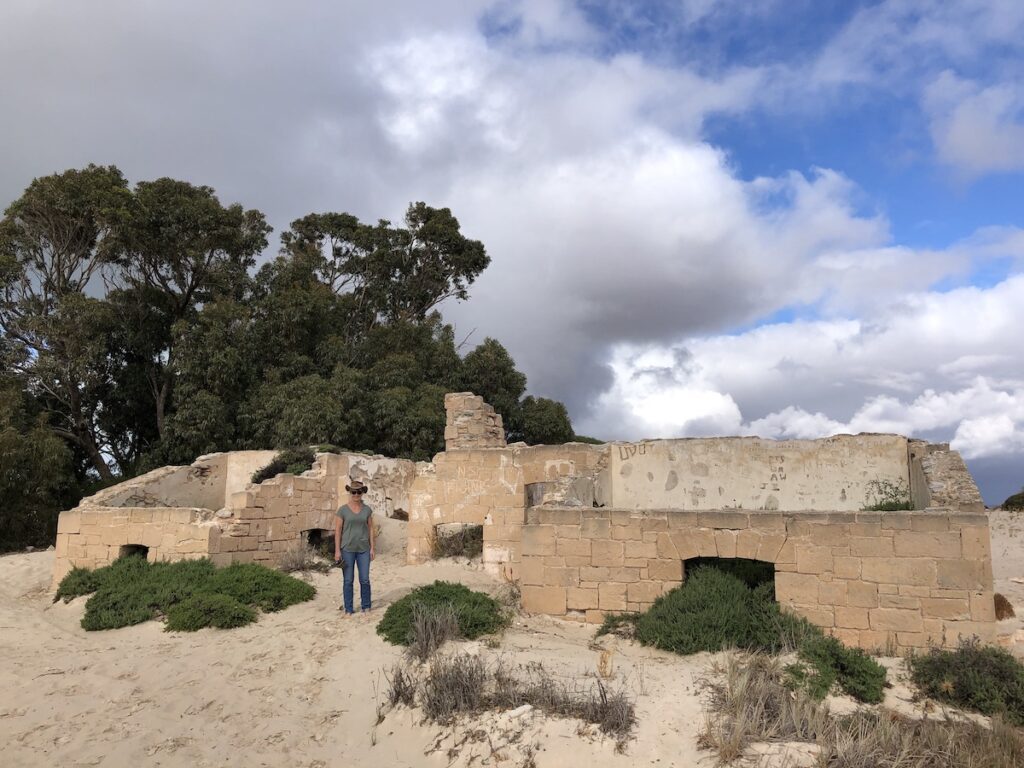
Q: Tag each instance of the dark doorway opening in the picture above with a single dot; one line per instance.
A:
(753, 573)
(133, 550)
(320, 541)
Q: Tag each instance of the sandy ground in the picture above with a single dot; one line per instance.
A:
(302, 687)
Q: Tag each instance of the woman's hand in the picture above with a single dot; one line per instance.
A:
(372, 553)
(337, 555)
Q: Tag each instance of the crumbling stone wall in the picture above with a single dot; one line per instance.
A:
(490, 487)
(256, 523)
(909, 579)
(471, 423)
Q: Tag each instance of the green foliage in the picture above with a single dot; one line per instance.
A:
(753, 573)
(1014, 502)
(78, 582)
(294, 461)
(545, 422)
(887, 496)
(490, 371)
(131, 591)
(37, 480)
(478, 614)
(587, 440)
(617, 623)
(974, 676)
(468, 541)
(208, 610)
(856, 672)
(715, 610)
(252, 584)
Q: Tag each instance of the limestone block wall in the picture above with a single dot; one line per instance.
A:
(489, 487)
(835, 473)
(181, 512)
(471, 423)
(939, 478)
(908, 579)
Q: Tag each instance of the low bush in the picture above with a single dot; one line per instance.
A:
(715, 611)
(1004, 610)
(302, 559)
(467, 541)
(974, 676)
(294, 461)
(478, 614)
(131, 591)
(888, 496)
(208, 610)
(1015, 502)
(621, 624)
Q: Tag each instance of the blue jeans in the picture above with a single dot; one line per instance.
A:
(349, 562)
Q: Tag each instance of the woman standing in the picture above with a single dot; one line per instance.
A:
(353, 544)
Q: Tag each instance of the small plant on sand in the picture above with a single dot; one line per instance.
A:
(432, 627)
(478, 614)
(131, 590)
(302, 559)
(974, 676)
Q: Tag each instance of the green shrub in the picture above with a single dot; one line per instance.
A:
(467, 541)
(78, 582)
(619, 623)
(252, 584)
(856, 672)
(208, 610)
(1015, 502)
(981, 678)
(131, 590)
(478, 613)
(294, 461)
(753, 573)
(715, 610)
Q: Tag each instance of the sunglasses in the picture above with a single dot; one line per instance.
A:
(357, 493)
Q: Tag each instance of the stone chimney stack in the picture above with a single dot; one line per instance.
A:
(471, 423)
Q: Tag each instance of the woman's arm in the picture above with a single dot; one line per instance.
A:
(339, 524)
(373, 536)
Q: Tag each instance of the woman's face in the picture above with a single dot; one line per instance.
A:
(356, 495)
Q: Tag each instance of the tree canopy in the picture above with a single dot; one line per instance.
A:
(136, 330)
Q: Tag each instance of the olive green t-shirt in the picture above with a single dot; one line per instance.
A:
(355, 533)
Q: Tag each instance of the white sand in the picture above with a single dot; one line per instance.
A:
(297, 688)
(302, 687)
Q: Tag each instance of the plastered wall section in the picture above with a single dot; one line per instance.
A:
(751, 473)
(257, 524)
(488, 487)
(903, 579)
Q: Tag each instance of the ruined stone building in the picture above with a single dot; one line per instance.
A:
(589, 529)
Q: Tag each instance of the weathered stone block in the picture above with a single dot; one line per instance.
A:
(747, 543)
(612, 597)
(796, 588)
(665, 570)
(606, 553)
(983, 606)
(640, 550)
(725, 543)
(770, 547)
(573, 547)
(946, 608)
(832, 593)
(852, 618)
(874, 546)
(595, 575)
(548, 599)
(846, 567)
(624, 575)
(538, 540)
(889, 570)
(976, 543)
(899, 601)
(644, 591)
(813, 559)
(562, 577)
(963, 574)
(895, 619)
(627, 532)
(581, 599)
(596, 528)
(862, 594)
(666, 548)
(945, 544)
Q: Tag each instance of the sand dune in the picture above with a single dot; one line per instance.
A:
(302, 687)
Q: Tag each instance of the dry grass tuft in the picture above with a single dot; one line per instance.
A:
(751, 703)
(465, 685)
(302, 559)
(432, 626)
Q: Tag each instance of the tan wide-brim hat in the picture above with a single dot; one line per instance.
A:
(356, 485)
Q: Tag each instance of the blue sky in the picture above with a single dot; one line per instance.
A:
(779, 217)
